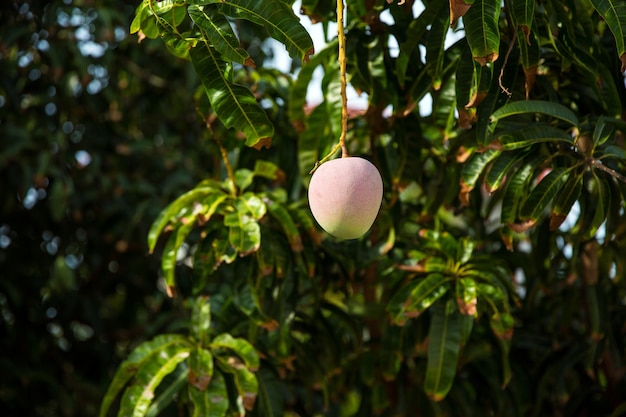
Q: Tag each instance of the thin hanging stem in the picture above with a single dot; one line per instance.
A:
(341, 38)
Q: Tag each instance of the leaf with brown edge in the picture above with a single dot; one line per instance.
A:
(263, 143)
(457, 9)
(521, 227)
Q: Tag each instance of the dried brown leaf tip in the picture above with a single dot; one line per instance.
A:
(457, 9)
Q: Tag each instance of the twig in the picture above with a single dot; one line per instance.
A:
(598, 164)
(506, 60)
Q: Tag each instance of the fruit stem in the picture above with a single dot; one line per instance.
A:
(341, 37)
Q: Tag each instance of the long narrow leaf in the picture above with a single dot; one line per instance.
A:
(531, 135)
(234, 104)
(211, 402)
(614, 13)
(240, 347)
(435, 51)
(543, 194)
(551, 109)
(168, 395)
(173, 210)
(417, 296)
(565, 199)
(481, 29)
(217, 29)
(279, 20)
(138, 397)
(444, 343)
(129, 367)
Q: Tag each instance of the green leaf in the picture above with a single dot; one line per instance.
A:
(501, 167)
(211, 402)
(200, 368)
(284, 219)
(244, 233)
(130, 366)
(245, 382)
(502, 326)
(516, 189)
(435, 51)
(251, 204)
(565, 199)
(298, 92)
(522, 12)
(137, 398)
(234, 104)
(271, 397)
(240, 347)
(168, 395)
(275, 16)
(269, 170)
(614, 13)
(476, 165)
(173, 210)
(217, 29)
(201, 319)
(466, 296)
(481, 30)
(556, 110)
(543, 194)
(602, 131)
(533, 134)
(170, 254)
(601, 198)
(444, 342)
(140, 14)
(417, 296)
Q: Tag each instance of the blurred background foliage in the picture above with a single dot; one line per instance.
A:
(492, 282)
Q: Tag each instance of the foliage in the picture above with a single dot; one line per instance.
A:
(492, 282)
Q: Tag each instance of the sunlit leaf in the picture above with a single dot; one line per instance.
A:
(211, 402)
(171, 253)
(200, 368)
(130, 366)
(466, 296)
(137, 398)
(201, 319)
(168, 395)
(172, 211)
(245, 381)
(238, 346)
(244, 233)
